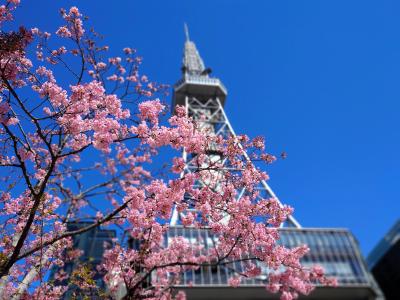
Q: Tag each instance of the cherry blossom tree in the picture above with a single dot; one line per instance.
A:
(78, 133)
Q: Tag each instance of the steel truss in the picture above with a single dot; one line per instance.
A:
(209, 115)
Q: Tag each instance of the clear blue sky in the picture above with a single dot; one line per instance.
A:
(319, 79)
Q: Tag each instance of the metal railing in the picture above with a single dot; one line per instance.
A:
(201, 80)
(333, 249)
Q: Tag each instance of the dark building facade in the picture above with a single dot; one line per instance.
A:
(92, 244)
(384, 263)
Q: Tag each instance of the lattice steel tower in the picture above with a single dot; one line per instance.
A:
(335, 249)
(204, 98)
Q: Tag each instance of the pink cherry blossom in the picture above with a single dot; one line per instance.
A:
(80, 146)
(234, 281)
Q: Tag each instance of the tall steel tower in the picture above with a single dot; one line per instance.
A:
(336, 250)
(204, 98)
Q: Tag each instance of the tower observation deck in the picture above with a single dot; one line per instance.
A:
(196, 81)
(204, 98)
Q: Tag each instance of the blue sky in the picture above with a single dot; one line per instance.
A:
(319, 79)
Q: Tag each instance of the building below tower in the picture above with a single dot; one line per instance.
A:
(384, 263)
(92, 245)
(336, 250)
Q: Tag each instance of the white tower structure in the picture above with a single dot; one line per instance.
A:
(204, 98)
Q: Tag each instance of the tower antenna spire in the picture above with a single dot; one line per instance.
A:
(186, 32)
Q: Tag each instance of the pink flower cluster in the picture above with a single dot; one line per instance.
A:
(74, 27)
(48, 155)
(88, 109)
